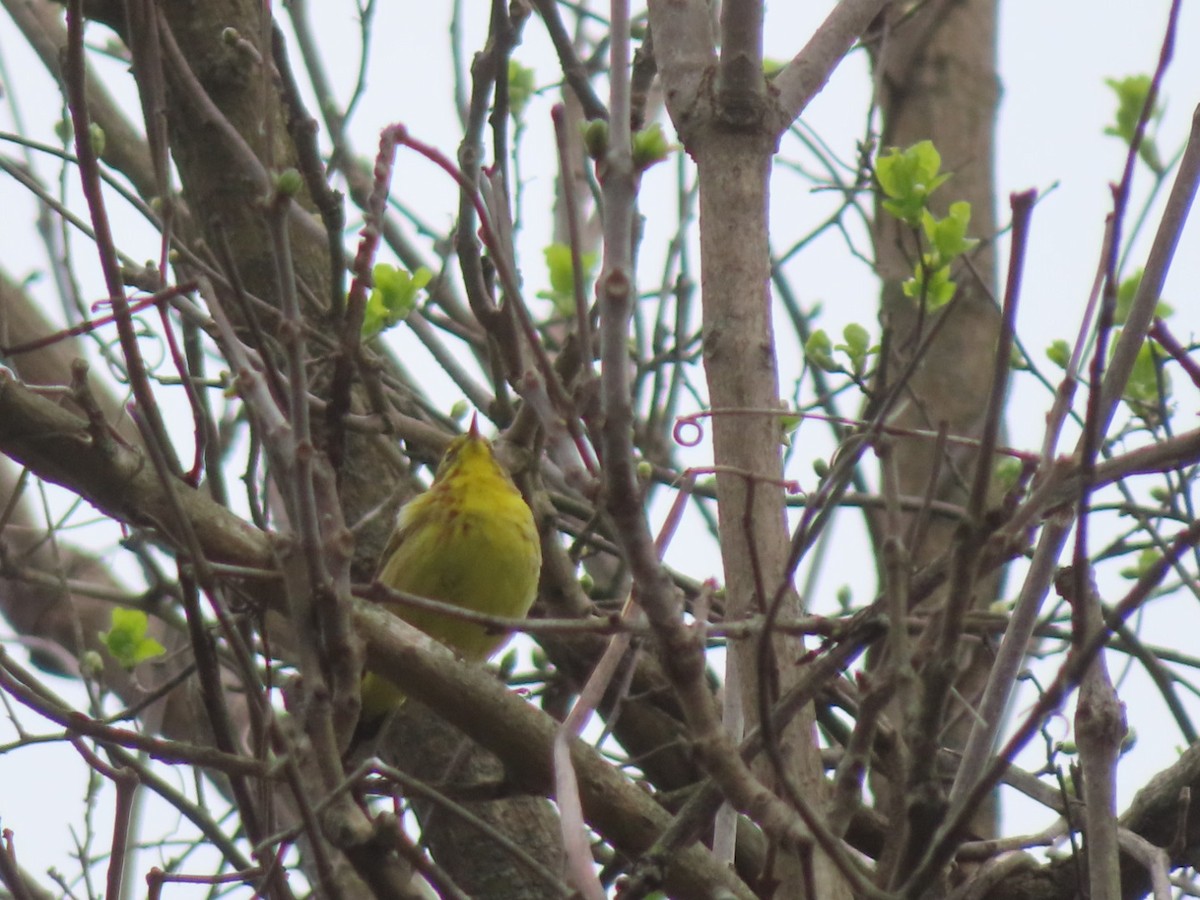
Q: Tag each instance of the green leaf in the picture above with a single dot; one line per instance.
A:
(560, 268)
(857, 347)
(1132, 93)
(393, 297)
(933, 285)
(1059, 353)
(1006, 473)
(908, 211)
(1142, 391)
(939, 288)
(903, 172)
(650, 147)
(520, 88)
(562, 276)
(908, 178)
(127, 641)
(948, 236)
(858, 339)
(1127, 291)
(819, 351)
(1146, 561)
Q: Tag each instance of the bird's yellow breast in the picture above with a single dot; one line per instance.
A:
(479, 551)
(470, 541)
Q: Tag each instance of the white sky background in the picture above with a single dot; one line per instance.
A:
(1054, 59)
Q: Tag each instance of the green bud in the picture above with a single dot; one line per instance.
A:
(1059, 353)
(650, 147)
(96, 138)
(91, 664)
(595, 139)
(289, 183)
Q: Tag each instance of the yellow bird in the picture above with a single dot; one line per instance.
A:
(469, 540)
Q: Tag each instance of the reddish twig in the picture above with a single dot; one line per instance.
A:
(85, 327)
(1166, 340)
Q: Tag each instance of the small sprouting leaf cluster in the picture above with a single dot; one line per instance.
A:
(1127, 291)
(1059, 353)
(127, 640)
(1148, 384)
(393, 297)
(650, 145)
(520, 88)
(562, 276)
(64, 129)
(857, 350)
(1006, 473)
(1132, 93)
(908, 179)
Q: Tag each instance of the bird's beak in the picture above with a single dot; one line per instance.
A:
(474, 432)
